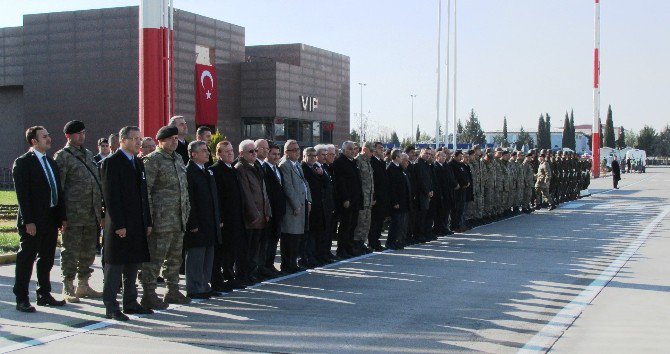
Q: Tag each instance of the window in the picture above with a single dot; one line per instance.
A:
(257, 128)
(316, 132)
(305, 136)
(327, 133)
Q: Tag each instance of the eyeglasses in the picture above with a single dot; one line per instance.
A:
(253, 151)
(291, 150)
(311, 155)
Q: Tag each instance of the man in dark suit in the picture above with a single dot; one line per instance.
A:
(274, 183)
(203, 225)
(349, 198)
(400, 199)
(447, 182)
(41, 214)
(319, 220)
(103, 150)
(182, 147)
(127, 224)
(458, 168)
(230, 256)
(424, 193)
(325, 242)
(381, 208)
(616, 172)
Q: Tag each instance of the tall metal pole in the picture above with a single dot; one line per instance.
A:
(411, 131)
(439, 70)
(360, 133)
(455, 72)
(596, 95)
(446, 125)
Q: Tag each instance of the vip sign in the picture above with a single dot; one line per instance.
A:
(309, 103)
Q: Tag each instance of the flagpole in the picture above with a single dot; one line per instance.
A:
(595, 141)
(439, 75)
(446, 125)
(454, 126)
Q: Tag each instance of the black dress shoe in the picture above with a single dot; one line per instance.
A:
(213, 293)
(48, 300)
(236, 284)
(137, 310)
(117, 315)
(24, 306)
(200, 296)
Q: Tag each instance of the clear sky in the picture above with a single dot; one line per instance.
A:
(516, 58)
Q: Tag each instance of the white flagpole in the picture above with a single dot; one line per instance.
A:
(446, 125)
(439, 75)
(455, 72)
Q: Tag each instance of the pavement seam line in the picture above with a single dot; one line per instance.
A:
(545, 339)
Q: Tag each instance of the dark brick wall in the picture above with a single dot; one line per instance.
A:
(11, 56)
(12, 133)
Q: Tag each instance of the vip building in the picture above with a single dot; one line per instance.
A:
(84, 65)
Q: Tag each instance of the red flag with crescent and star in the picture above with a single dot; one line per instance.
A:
(205, 95)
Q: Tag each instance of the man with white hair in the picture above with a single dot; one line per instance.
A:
(182, 127)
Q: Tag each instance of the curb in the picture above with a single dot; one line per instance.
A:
(7, 258)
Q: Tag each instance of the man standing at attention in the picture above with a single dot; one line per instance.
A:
(82, 196)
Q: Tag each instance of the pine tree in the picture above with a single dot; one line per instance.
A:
(541, 127)
(573, 138)
(621, 141)
(600, 132)
(459, 130)
(565, 140)
(547, 132)
(473, 133)
(418, 134)
(505, 142)
(354, 136)
(394, 139)
(609, 129)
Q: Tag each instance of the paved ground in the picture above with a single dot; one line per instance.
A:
(590, 276)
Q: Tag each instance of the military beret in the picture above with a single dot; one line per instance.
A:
(505, 152)
(489, 150)
(166, 132)
(73, 126)
(499, 149)
(457, 152)
(530, 154)
(513, 153)
(471, 152)
(542, 155)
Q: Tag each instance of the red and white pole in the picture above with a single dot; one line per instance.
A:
(595, 141)
(156, 65)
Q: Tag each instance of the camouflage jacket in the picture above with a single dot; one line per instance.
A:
(513, 174)
(543, 175)
(501, 174)
(367, 180)
(168, 190)
(529, 176)
(488, 173)
(81, 189)
(476, 171)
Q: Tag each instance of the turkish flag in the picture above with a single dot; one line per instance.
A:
(206, 111)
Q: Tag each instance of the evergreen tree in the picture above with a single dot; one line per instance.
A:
(354, 136)
(621, 141)
(459, 130)
(541, 127)
(573, 138)
(473, 133)
(418, 134)
(394, 139)
(547, 132)
(608, 139)
(646, 140)
(565, 140)
(524, 139)
(662, 146)
(505, 141)
(600, 132)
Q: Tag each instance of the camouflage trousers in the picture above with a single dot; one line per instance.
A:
(513, 193)
(78, 252)
(519, 196)
(165, 252)
(542, 194)
(363, 225)
(489, 201)
(527, 196)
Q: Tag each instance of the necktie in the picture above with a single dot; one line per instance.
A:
(274, 168)
(52, 183)
(132, 162)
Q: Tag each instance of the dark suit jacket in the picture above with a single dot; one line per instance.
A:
(469, 193)
(205, 215)
(182, 150)
(255, 201)
(126, 200)
(616, 170)
(319, 186)
(275, 192)
(230, 199)
(447, 181)
(423, 183)
(399, 189)
(347, 183)
(381, 181)
(33, 192)
(461, 178)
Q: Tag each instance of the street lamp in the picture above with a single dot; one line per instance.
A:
(411, 132)
(360, 133)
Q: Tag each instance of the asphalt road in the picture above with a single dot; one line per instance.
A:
(590, 276)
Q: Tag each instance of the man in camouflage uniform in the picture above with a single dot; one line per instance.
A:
(521, 181)
(368, 186)
(529, 179)
(488, 178)
(170, 206)
(475, 210)
(82, 193)
(514, 181)
(542, 180)
(500, 175)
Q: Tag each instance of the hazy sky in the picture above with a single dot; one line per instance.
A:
(516, 58)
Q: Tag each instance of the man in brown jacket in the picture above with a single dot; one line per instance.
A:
(255, 203)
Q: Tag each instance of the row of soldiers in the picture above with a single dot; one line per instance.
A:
(508, 182)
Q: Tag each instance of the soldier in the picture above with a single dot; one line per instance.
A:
(529, 180)
(514, 181)
(542, 180)
(170, 207)
(488, 173)
(364, 215)
(521, 181)
(82, 192)
(500, 173)
(475, 168)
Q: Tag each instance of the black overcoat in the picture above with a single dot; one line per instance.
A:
(205, 215)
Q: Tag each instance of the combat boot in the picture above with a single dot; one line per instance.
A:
(69, 293)
(85, 290)
(150, 300)
(174, 296)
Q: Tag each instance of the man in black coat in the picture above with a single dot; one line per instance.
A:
(320, 215)
(349, 197)
(203, 228)
(400, 198)
(448, 184)
(127, 224)
(458, 168)
(231, 254)
(381, 208)
(424, 193)
(616, 172)
(274, 186)
(41, 214)
(323, 254)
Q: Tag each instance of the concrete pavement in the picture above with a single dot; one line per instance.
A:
(559, 279)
